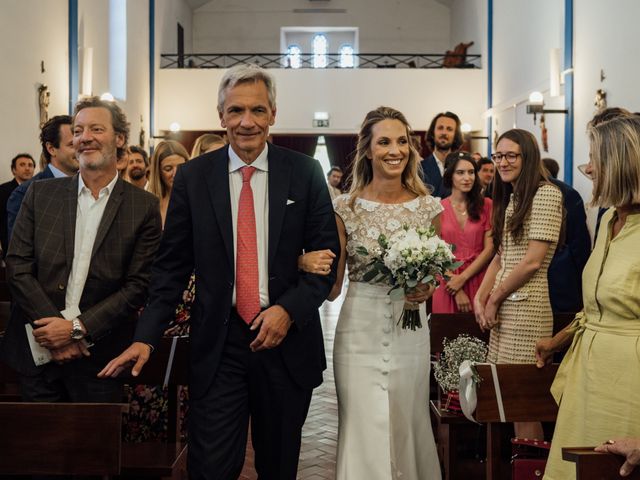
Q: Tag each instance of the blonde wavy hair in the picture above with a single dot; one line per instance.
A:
(163, 150)
(204, 142)
(615, 158)
(362, 171)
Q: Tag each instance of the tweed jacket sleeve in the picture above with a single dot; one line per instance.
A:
(21, 262)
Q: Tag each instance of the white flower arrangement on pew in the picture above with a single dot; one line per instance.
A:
(447, 368)
(409, 257)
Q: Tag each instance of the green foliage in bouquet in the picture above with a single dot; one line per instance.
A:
(447, 368)
(409, 257)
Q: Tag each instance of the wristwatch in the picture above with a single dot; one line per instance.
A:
(76, 330)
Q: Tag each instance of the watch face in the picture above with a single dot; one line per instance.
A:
(76, 330)
(77, 334)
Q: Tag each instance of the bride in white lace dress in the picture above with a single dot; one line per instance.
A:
(381, 370)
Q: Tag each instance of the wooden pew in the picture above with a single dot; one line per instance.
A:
(62, 438)
(592, 465)
(135, 460)
(525, 398)
(450, 427)
(157, 459)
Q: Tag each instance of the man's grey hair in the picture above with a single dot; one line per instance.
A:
(243, 74)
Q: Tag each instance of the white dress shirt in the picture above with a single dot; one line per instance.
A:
(260, 187)
(88, 216)
(440, 164)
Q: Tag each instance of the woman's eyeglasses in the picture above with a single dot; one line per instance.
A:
(510, 156)
(583, 170)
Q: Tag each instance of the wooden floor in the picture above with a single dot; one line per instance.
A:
(319, 436)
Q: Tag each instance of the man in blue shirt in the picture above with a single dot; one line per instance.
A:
(58, 155)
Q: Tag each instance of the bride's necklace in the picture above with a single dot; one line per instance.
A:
(456, 207)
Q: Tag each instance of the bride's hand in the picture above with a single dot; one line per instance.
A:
(318, 262)
(421, 293)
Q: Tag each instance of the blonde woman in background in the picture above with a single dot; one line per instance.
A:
(207, 143)
(166, 159)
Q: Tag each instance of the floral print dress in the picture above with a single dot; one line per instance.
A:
(148, 404)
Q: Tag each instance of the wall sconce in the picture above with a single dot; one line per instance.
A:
(172, 134)
(320, 119)
(466, 129)
(536, 106)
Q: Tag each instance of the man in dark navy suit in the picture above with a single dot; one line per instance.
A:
(565, 269)
(240, 217)
(443, 137)
(22, 167)
(58, 155)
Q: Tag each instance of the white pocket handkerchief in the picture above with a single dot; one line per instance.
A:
(289, 201)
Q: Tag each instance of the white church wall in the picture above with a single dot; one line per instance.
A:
(22, 50)
(345, 94)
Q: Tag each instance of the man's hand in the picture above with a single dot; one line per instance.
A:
(70, 352)
(274, 323)
(627, 447)
(137, 355)
(53, 332)
(462, 301)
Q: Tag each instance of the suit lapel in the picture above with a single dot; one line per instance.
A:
(69, 213)
(110, 211)
(279, 177)
(436, 169)
(218, 186)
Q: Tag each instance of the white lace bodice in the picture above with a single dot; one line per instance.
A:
(369, 219)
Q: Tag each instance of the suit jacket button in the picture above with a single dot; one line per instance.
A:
(60, 286)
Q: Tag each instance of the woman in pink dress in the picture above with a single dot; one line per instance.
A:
(466, 223)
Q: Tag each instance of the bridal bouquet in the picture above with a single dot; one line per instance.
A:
(409, 257)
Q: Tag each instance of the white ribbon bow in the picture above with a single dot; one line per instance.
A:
(468, 397)
(467, 389)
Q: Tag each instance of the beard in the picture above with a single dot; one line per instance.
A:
(99, 164)
(137, 174)
(444, 144)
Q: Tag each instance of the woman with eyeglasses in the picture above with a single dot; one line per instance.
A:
(598, 381)
(513, 300)
(466, 223)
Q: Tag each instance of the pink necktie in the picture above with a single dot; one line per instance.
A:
(247, 286)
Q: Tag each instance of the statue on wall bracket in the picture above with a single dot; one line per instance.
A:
(43, 103)
(600, 101)
(544, 134)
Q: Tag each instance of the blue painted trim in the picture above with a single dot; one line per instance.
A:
(152, 66)
(489, 74)
(74, 82)
(568, 92)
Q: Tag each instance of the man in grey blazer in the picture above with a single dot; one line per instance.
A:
(79, 266)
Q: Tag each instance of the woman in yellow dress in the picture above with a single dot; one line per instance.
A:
(598, 381)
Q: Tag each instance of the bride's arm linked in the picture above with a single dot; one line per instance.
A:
(319, 261)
